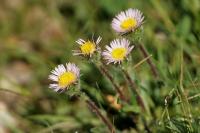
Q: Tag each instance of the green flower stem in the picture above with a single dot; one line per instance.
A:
(152, 66)
(95, 109)
(134, 89)
(105, 72)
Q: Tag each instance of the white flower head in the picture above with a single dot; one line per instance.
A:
(117, 51)
(127, 21)
(87, 48)
(64, 77)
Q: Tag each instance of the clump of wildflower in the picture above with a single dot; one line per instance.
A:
(87, 48)
(117, 51)
(64, 77)
(127, 21)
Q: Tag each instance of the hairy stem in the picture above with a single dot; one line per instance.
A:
(105, 72)
(145, 54)
(95, 109)
(134, 89)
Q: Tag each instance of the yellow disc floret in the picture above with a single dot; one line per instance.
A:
(88, 48)
(66, 79)
(128, 24)
(118, 53)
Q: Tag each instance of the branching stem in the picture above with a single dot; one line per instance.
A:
(134, 88)
(149, 61)
(105, 72)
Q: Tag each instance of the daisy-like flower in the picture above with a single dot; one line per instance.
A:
(117, 51)
(127, 21)
(87, 48)
(64, 77)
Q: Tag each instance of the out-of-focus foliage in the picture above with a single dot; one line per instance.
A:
(36, 35)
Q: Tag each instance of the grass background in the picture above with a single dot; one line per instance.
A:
(36, 35)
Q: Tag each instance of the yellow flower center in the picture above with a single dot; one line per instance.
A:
(66, 79)
(118, 53)
(128, 24)
(88, 48)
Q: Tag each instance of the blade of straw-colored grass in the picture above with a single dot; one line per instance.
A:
(141, 62)
(190, 98)
(185, 104)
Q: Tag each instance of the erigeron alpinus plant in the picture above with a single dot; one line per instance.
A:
(116, 54)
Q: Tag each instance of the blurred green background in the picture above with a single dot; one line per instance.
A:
(36, 35)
